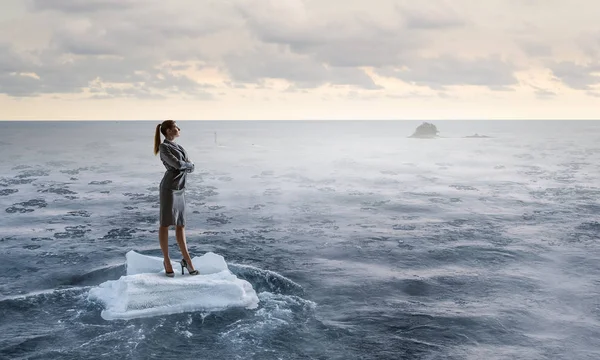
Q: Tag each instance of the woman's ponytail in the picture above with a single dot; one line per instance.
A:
(157, 139)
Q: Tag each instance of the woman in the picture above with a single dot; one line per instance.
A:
(172, 194)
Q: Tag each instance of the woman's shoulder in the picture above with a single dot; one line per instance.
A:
(164, 148)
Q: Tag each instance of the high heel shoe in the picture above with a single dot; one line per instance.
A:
(169, 274)
(184, 264)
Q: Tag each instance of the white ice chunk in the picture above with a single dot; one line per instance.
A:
(146, 291)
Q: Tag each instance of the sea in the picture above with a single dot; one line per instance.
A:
(349, 239)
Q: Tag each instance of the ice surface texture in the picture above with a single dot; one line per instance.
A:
(146, 291)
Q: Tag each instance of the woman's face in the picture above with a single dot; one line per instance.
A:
(174, 131)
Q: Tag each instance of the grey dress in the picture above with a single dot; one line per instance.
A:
(172, 185)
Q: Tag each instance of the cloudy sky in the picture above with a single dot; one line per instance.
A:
(299, 59)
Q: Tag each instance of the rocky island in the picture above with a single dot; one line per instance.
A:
(429, 131)
(476, 136)
(425, 131)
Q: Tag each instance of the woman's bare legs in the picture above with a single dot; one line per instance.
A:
(180, 235)
(163, 239)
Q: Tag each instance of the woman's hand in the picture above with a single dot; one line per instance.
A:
(191, 167)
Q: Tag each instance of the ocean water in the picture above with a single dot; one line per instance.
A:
(359, 242)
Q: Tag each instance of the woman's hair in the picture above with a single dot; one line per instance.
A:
(161, 129)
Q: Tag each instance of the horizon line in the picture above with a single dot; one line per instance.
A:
(324, 119)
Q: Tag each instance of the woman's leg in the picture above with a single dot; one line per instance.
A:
(163, 239)
(180, 236)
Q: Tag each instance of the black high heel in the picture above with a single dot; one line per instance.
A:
(169, 274)
(185, 265)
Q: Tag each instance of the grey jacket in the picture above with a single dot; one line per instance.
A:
(177, 163)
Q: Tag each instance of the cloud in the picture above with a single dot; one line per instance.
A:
(593, 93)
(437, 73)
(543, 94)
(589, 43)
(101, 91)
(81, 6)
(432, 16)
(341, 39)
(53, 73)
(580, 77)
(127, 44)
(17, 85)
(151, 31)
(276, 62)
(113, 42)
(535, 48)
(111, 93)
(11, 62)
(357, 40)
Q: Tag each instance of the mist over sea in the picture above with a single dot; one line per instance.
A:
(360, 243)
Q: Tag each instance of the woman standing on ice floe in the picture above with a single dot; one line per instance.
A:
(172, 194)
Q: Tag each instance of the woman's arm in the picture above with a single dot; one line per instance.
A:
(172, 160)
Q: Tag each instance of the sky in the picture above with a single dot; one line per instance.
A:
(299, 59)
